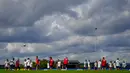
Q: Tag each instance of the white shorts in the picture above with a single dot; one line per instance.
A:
(88, 65)
(48, 67)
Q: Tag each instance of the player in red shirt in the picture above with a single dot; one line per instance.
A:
(51, 62)
(17, 65)
(65, 62)
(37, 63)
(104, 63)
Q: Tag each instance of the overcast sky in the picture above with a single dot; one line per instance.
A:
(61, 28)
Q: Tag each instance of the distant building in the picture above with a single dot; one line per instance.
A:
(73, 63)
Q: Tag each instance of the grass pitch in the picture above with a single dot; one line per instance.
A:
(69, 71)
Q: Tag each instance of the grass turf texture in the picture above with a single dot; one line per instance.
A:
(70, 71)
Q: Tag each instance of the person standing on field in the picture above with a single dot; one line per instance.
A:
(124, 65)
(25, 64)
(99, 65)
(110, 65)
(85, 64)
(114, 65)
(37, 63)
(28, 64)
(51, 63)
(118, 64)
(17, 65)
(104, 63)
(12, 64)
(59, 65)
(89, 67)
(65, 62)
(48, 66)
(7, 64)
(95, 65)
(31, 63)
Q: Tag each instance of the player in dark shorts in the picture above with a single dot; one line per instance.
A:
(95, 65)
(65, 62)
(7, 64)
(59, 64)
(118, 64)
(104, 63)
(37, 63)
(51, 63)
(12, 64)
(17, 66)
(28, 64)
(31, 64)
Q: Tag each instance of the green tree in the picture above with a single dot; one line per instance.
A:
(43, 63)
(34, 65)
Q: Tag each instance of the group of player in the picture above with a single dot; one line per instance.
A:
(102, 64)
(59, 64)
(15, 65)
(98, 65)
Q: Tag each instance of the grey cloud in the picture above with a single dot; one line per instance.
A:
(107, 16)
(2, 45)
(37, 16)
(23, 14)
(26, 12)
(117, 40)
(31, 35)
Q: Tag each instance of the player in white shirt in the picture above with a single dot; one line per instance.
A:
(114, 64)
(124, 65)
(85, 64)
(110, 65)
(12, 64)
(59, 64)
(117, 64)
(28, 63)
(7, 65)
(95, 65)
(31, 64)
(48, 66)
(99, 65)
(89, 67)
(25, 64)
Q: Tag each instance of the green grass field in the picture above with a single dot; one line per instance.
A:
(70, 71)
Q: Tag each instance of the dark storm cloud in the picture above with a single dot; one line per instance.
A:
(118, 26)
(30, 37)
(117, 40)
(26, 12)
(107, 16)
